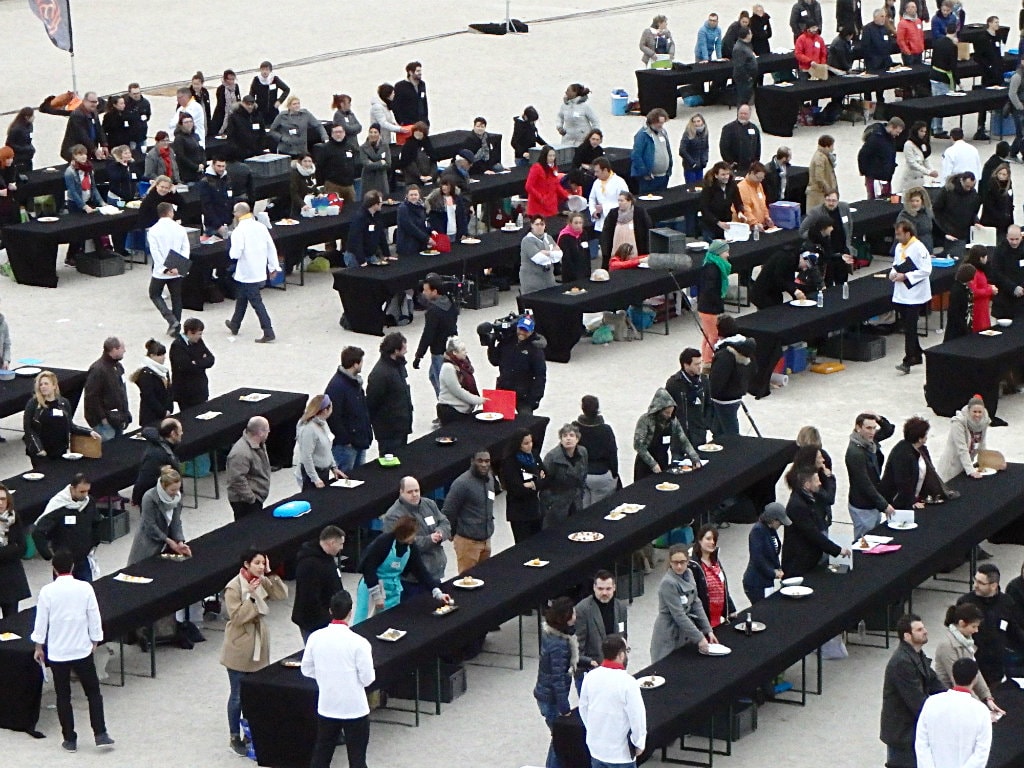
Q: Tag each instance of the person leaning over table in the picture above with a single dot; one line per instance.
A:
(709, 41)
(602, 451)
(656, 433)
(191, 360)
(830, 226)
(785, 271)
(246, 647)
(317, 580)
(917, 210)
(681, 620)
(314, 460)
(69, 523)
(522, 475)
(1006, 272)
(558, 662)
(805, 543)
(161, 444)
(656, 41)
(714, 285)
(247, 469)
(13, 583)
(432, 530)
(733, 33)
(965, 439)
(390, 556)
(563, 491)
(911, 290)
(909, 474)
(956, 641)
(764, 547)
(457, 394)
(367, 242)
(47, 422)
(709, 576)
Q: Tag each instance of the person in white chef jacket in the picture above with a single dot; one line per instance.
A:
(954, 729)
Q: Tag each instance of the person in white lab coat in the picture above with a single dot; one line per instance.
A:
(954, 729)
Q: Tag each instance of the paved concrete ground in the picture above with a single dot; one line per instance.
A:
(178, 718)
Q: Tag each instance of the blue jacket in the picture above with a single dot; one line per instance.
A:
(694, 152)
(876, 47)
(764, 559)
(877, 156)
(217, 201)
(709, 41)
(350, 420)
(363, 243)
(437, 215)
(412, 234)
(642, 156)
(553, 675)
(76, 197)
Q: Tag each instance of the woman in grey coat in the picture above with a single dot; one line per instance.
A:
(576, 118)
(160, 526)
(681, 619)
(538, 254)
(291, 128)
(566, 466)
(375, 159)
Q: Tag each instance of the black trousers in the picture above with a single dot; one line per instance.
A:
(243, 508)
(524, 529)
(357, 737)
(911, 344)
(86, 671)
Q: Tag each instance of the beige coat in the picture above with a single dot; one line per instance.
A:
(246, 636)
(947, 652)
(821, 177)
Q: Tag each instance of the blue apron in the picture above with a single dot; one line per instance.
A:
(389, 574)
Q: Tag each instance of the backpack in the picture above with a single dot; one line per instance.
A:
(399, 310)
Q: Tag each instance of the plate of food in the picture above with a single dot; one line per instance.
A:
(536, 563)
(444, 610)
(575, 291)
(27, 370)
(652, 197)
(901, 526)
(48, 219)
(430, 252)
(986, 471)
(510, 227)
(630, 509)
(174, 557)
(586, 536)
(389, 201)
(392, 635)
(990, 332)
(615, 516)
(71, 456)
(680, 469)
(488, 416)
(797, 592)
(287, 222)
(755, 626)
(709, 448)
(697, 245)
(803, 303)
(651, 681)
(446, 440)
(33, 476)
(667, 486)
(470, 241)
(468, 582)
(717, 649)
(291, 663)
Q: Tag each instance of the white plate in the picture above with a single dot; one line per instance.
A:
(536, 563)
(709, 448)
(510, 228)
(431, 252)
(615, 516)
(793, 581)
(291, 663)
(27, 370)
(468, 582)
(667, 487)
(797, 591)
(651, 682)
(651, 197)
(717, 649)
(990, 332)
(755, 626)
(286, 223)
(579, 292)
(696, 245)
(987, 471)
(488, 416)
(803, 303)
(392, 635)
(33, 476)
(72, 456)
(901, 526)
(470, 241)
(586, 536)
(48, 219)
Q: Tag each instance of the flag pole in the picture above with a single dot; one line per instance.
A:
(71, 50)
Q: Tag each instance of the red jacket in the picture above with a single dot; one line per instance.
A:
(616, 263)
(544, 191)
(982, 291)
(810, 49)
(910, 36)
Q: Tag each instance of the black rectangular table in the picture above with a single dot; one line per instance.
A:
(14, 395)
(980, 99)
(280, 703)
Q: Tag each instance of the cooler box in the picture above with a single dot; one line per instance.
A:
(268, 166)
(785, 214)
(619, 101)
(795, 357)
(501, 401)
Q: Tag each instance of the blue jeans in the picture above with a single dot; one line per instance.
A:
(1018, 123)
(522, 162)
(595, 763)
(350, 260)
(693, 175)
(727, 419)
(938, 89)
(435, 372)
(550, 714)
(246, 294)
(348, 457)
(107, 432)
(658, 183)
(864, 520)
(82, 570)
(235, 701)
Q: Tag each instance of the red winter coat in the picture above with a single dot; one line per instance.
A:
(544, 191)
(810, 49)
(982, 290)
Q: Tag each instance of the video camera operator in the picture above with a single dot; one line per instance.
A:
(440, 323)
(519, 359)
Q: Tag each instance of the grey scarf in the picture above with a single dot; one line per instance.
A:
(863, 442)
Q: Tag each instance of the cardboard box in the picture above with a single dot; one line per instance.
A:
(963, 51)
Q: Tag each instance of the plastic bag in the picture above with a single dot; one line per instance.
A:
(603, 335)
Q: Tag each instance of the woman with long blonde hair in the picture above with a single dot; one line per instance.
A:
(47, 422)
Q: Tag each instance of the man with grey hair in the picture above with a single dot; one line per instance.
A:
(255, 255)
(248, 469)
(84, 128)
(189, 106)
(433, 529)
(106, 398)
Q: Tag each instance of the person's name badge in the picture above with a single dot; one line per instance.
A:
(751, 131)
(490, 495)
(423, 95)
(144, 118)
(817, 44)
(293, 131)
(527, 476)
(803, 13)
(666, 440)
(429, 520)
(70, 520)
(584, 244)
(125, 123)
(230, 193)
(682, 600)
(57, 413)
(134, 176)
(348, 153)
(1020, 262)
(1003, 625)
(846, 219)
(272, 87)
(696, 401)
(255, 126)
(622, 627)
(885, 37)
(371, 228)
(396, 565)
(661, 139)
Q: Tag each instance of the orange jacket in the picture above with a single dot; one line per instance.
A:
(910, 36)
(755, 205)
(810, 49)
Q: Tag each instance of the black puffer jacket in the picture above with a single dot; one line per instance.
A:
(732, 369)
(389, 399)
(522, 368)
(159, 453)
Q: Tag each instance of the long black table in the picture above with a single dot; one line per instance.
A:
(280, 703)
(699, 686)
(216, 554)
(973, 364)
(980, 99)
(773, 327)
(15, 394)
(119, 465)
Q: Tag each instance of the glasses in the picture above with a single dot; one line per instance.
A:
(680, 562)
(981, 583)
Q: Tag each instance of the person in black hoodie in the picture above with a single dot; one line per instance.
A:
(602, 451)
(269, 91)
(246, 131)
(388, 397)
(350, 417)
(522, 367)
(190, 153)
(876, 159)
(731, 371)
(689, 388)
(440, 323)
(1002, 627)
(68, 523)
(217, 198)
(988, 54)
(525, 135)
(522, 475)
(805, 543)
(190, 360)
(159, 454)
(336, 165)
(778, 276)
(367, 236)
(317, 580)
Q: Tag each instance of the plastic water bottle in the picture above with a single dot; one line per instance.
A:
(748, 630)
(757, 233)
(519, 220)
(846, 291)
(821, 298)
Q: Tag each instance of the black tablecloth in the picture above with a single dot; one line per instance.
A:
(279, 702)
(119, 465)
(973, 364)
(14, 395)
(924, 109)
(774, 326)
(1007, 745)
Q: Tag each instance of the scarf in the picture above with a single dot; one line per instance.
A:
(586, 421)
(305, 172)
(574, 645)
(266, 80)
(862, 442)
(627, 216)
(159, 369)
(960, 639)
(85, 169)
(165, 155)
(6, 521)
(464, 371)
(166, 499)
(568, 230)
(526, 460)
(723, 266)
